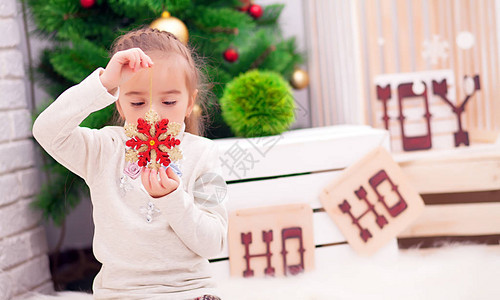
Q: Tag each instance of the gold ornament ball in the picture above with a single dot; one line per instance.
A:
(197, 111)
(172, 25)
(300, 79)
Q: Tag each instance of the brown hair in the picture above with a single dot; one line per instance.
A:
(150, 39)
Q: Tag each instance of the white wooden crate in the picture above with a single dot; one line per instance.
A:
(472, 171)
(294, 168)
(301, 151)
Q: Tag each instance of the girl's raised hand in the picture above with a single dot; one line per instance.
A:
(122, 66)
(169, 181)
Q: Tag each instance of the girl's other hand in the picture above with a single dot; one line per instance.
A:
(122, 66)
(168, 182)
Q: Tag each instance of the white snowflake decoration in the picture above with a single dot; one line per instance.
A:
(465, 40)
(435, 49)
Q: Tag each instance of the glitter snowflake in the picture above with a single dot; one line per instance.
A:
(435, 49)
(153, 141)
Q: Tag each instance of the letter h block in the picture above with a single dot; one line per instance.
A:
(271, 241)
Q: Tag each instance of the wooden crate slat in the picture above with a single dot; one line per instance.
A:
(456, 220)
(476, 152)
(297, 151)
(483, 136)
(325, 230)
(284, 190)
(332, 253)
(451, 171)
(438, 241)
(464, 197)
(338, 253)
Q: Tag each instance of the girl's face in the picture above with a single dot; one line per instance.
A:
(170, 95)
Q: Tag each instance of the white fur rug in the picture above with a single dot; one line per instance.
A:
(453, 272)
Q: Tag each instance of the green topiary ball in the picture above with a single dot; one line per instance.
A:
(258, 103)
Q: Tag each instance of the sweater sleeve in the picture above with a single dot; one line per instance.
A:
(200, 220)
(56, 129)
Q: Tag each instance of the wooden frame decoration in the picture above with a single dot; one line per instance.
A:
(421, 111)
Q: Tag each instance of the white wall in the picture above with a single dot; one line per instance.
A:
(497, 16)
(23, 247)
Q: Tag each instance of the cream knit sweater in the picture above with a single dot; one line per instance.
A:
(164, 259)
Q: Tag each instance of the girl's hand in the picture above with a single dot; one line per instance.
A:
(122, 66)
(169, 181)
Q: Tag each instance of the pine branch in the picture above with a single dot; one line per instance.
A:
(207, 18)
(262, 57)
(52, 82)
(250, 47)
(100, 118)
(223, 30)
(150, 9)
(218, 3)
(77, 61)
(61, 195)
(271, 14)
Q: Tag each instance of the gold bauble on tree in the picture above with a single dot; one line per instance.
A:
(172, 25)
(300, 79)
(197, 111)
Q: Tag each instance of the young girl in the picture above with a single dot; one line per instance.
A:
(153, 231)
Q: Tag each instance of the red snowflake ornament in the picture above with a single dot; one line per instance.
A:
(153, 141)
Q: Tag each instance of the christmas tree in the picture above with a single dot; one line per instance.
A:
(233, 36)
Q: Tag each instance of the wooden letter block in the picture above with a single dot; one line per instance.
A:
(372, 202)
(420, 109)
(269, 241)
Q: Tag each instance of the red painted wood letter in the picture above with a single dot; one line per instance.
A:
(405, 90)
(345, 207)
(441, 89)
(291, 233)
(375, 181)
(246, 239)
(384, 95)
